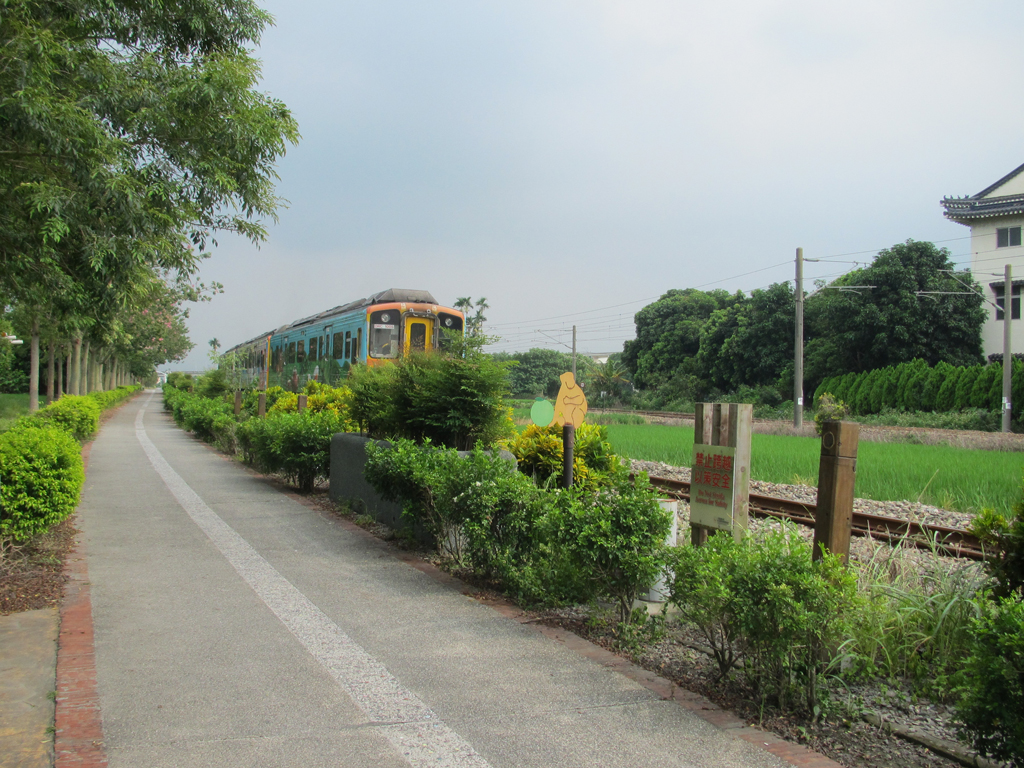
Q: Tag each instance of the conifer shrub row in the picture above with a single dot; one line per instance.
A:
(915, 386)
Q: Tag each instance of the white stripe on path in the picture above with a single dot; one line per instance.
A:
(408, 723)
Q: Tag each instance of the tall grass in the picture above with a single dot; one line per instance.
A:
(912, 618)
(953, 478)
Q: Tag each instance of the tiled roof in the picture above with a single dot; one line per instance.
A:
(970, 208)
(978, 207)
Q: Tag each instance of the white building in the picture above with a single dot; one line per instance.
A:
(996, 218)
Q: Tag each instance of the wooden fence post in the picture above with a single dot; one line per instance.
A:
(720, 474)
(302, 403)
(262, 407)
(238, 401)
(836, 474)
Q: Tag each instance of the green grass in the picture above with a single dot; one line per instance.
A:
(952, 478)
(11, 408)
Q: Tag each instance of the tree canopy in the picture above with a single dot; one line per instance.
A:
(131, 133)
(694, 343)
(854, 330)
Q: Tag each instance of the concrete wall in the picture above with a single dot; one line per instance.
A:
(987, 263)
(348, 458)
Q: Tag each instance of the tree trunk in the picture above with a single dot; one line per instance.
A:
(67, 372)
(85, 382)
(75, 384)
(33, 372)
(49, 373)
(60, 375)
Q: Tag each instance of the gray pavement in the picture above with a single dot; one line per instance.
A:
(28, 661)
(235, 626)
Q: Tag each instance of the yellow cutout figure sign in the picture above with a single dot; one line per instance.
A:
(571, 404)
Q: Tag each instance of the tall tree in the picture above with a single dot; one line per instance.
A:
(895, 320)
(668, 334)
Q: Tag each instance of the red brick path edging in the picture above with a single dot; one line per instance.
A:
(78, 737)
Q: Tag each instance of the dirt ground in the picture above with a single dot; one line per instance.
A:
(32, 575)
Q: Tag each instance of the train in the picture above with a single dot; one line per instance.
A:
(371, 331)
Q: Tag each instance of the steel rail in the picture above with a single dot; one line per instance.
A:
(948, 541)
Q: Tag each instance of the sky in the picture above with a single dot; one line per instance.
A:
(571, 161)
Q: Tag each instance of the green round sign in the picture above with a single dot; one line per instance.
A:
(542, 412)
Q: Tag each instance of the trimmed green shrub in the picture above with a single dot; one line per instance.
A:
(41, 477)
(198, 414)
(78, 415)
(477, 508)
(179, 380)
(251, 400)
(213, 383)
(765, 600)
(455, 398)
(111, 397)
(538, 450)
(614, 539)
(992, 709)
(297, 445)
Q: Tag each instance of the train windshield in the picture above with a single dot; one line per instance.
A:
(448, 324)
(384, 328)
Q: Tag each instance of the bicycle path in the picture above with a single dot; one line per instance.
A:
(233, 625)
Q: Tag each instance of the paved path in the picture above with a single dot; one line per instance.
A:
(27, 667)
(235, 626)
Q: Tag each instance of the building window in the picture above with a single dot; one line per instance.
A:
(1007, 237)
(1014, 303)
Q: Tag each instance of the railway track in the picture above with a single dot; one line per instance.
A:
(948, 541)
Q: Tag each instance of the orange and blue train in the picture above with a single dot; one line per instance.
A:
(371, 331)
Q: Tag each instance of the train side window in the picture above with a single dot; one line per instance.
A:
(300, 351)
(357, 348)
(290, 354)
(339, 343)
(348, 345)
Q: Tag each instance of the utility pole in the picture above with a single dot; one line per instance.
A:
(798, 363)
(1007, 355)
(574, 353)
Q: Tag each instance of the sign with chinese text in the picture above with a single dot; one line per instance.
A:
(712, 496)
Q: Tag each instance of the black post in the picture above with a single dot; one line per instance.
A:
(568, 442)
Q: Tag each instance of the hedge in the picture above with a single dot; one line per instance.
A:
(41, 472)
(41, 469)
(914, 386)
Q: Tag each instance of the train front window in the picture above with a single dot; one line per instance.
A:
(418, 337)
(448, 325)
(384, 327)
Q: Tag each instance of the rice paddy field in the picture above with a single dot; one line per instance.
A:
(947, 477)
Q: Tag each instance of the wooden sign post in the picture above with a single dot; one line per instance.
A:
(720, 472)
(837, 471)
